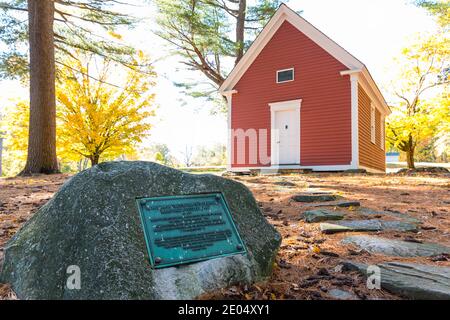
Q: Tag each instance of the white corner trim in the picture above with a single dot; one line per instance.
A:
(284, 13)
(293, 105)
(354, 119)
(229, 97)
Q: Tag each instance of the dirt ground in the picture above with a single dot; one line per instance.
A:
(308, 264)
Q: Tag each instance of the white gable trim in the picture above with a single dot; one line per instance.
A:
(283, 14)
(255, 49)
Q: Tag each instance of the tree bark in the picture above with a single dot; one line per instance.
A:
(410, 159)
(410, 153)
(240, 30)
(42, 129)
(94, 160)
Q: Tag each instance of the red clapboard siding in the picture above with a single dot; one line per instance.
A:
(370, 155)
(325, 125)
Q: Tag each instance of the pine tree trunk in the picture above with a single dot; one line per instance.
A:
(240, 29)
(42, 130)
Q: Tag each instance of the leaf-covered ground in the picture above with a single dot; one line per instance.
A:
(308, 265)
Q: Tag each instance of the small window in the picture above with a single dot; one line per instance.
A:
(285, 75)
(382, 133)
(372, 124)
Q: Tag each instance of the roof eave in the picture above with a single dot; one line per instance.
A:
(376, 90)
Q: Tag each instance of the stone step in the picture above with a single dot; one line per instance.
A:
(322, 215)
(410, 280)
(367, 225)
(396, 248)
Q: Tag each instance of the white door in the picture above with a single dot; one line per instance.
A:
(287, 136)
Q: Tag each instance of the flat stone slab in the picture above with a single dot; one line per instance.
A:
(403, 216)
(348, 204)
(339, 294)
(309, 192)
(396, 248)
(341, 204)
(315, 197)
(367, 225)
(285, 184)
(410, 280)
(322, 215)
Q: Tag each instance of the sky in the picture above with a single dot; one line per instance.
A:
(373, 31)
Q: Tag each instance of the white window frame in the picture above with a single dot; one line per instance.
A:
(289, 69)
(382, 133)
(372, 124)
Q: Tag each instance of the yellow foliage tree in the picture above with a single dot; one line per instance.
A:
(14, 126)
(424, 75)
(99, 120)
(96, 119)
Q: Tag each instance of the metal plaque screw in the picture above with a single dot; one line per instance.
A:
(158, 260)
(239, 247)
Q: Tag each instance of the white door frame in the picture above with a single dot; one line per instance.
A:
(282, 106)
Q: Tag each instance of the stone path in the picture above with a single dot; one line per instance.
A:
(414, 281)
(396, 247)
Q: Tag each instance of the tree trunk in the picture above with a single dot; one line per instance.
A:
(410, 159)
(94, 160)
(42, 130)
(410, 153)
(240, 30)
